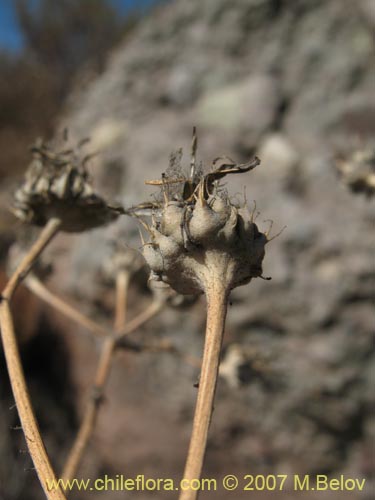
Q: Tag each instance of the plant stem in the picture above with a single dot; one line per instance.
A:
(122, 287)
(17, 379)
(152, 310)
(102, 373)
(217, 296)
(40, 290)
(25, 411)
(91, 412)
(48, 233)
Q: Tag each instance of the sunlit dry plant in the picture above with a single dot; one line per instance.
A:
(56, 194)
(357, 170)
(200, 242)
(57, 185)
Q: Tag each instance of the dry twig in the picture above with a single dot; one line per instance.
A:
(29, 424)
(217, 297)
(102, 373)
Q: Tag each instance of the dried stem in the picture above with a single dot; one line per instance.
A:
(48, 233)
(17, 379)
(29, 424)
(112, 341)
(122, 286)
(41, 291)
(153, 309)
(217, 296)
(91, 412)
(71, 312)
(102, 373)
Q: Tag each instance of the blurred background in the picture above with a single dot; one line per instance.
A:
(290, 81)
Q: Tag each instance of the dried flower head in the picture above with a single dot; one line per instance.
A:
(357, 171)
(198, 234)
(57, 185)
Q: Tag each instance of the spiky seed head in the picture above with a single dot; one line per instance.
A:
(203, 237)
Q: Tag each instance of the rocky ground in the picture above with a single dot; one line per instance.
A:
(293, 83)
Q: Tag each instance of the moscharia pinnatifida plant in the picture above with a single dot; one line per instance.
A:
(56, 194)
(57, 185)
(357, 170)
(200, 242)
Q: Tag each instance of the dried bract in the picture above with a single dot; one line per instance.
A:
(57, 185)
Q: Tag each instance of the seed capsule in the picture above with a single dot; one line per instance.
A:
(205, 235)
(56, 185)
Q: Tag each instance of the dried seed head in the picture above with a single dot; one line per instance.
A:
(123, 259)
(357, 171)
(164, 294)
(56, 185)
(203, 236)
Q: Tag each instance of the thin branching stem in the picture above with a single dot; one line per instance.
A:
(152, 310)
(102, 373)
(48, 233)
(40, 290)
(122, 287)
(217, 296)
(29, 424)
(91, 412)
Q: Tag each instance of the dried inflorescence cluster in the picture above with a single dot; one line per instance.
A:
(200, 242)
(357, 170)
(198, 234)
(57, 185)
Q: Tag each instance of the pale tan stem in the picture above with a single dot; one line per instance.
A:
(153, 309)
(91, 412)
(41, 291)
(217, 296)
(29, 424)
(102, 373)
(49, 231)
(50, 298)
(122, 287)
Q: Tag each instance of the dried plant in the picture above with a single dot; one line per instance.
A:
(200, 242)
(357, 170)
(56, 194)
(57, 185)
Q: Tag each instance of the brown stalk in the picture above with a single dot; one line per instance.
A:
(112, 341)
(217, 296)
(152, 310)
(40, 290)
(47, 234)
(29, 424)
(102, 373)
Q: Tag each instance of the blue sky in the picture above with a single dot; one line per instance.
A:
(11, 37)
